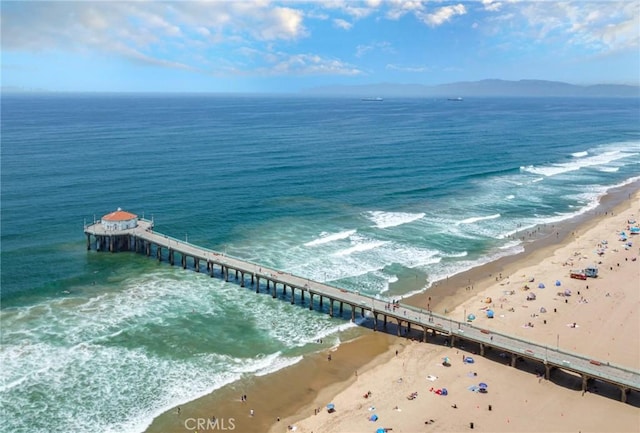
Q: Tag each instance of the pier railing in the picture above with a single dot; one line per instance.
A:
(144, 239)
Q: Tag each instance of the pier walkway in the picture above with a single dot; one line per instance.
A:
(143, 239)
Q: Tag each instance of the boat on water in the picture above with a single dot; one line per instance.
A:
(376, 99)
(456, 99)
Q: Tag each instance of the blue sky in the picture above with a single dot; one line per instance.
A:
(289, 46)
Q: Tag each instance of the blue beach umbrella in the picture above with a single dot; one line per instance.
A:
(471, 317)
(331, 406)
(483, 385)
(490, 314)
(558, 282)
(541, 286)
(381, 430)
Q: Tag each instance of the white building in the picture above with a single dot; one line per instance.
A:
(119, 220)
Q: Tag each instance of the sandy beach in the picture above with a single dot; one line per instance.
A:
(605, 311)
(598, 317)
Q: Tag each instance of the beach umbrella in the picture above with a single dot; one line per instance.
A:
(331, 406)
(373, 417)
(490, 314)
(471, 317)
(381, 430)
(483, 385)
(558, 282)
(540, 286)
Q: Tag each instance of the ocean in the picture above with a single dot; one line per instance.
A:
(383, 197)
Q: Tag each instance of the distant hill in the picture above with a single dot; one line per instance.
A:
(527, 88)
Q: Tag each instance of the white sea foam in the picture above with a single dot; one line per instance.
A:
(293, 326)
(77, 353)
(510, 197)
(334, 331)
(275, 363)
(360, 247)
(511, 246)
(383, 220)
(457, 267)
(579, 154)
(472, 220)
(579, 163)
(609, 169)
(388, 280)
(454, 255)
(330, 237)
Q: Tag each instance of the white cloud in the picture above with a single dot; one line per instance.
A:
(303, 64)
(249, 36)
(147, 32)
(599, 26)
(203, 31)
(386, 47)
(399, 8)
(355, 9)
(414, 69)
(51, 24)
(281, 23)
(443, 14)
(492, 5)
(342, 24)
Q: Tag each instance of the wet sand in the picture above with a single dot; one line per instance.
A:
(447, 294)
(295, 392)
(518, 400)
(280, 394)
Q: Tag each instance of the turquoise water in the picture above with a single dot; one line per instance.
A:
(355, 193)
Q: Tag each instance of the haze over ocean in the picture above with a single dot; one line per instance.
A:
(362, 194)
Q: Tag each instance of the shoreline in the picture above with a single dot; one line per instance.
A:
(445, 295)
(515, 393)
(280, 394)
(372, 349)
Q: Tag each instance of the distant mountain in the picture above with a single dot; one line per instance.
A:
(527, 88)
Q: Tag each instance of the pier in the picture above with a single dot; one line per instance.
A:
(121, 231)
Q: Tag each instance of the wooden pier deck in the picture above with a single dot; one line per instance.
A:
(143, 239)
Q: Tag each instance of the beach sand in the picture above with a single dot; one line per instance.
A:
(279, 394)
(607, 329)
(605, 311)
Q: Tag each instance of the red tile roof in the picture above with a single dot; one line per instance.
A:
(119, 215)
